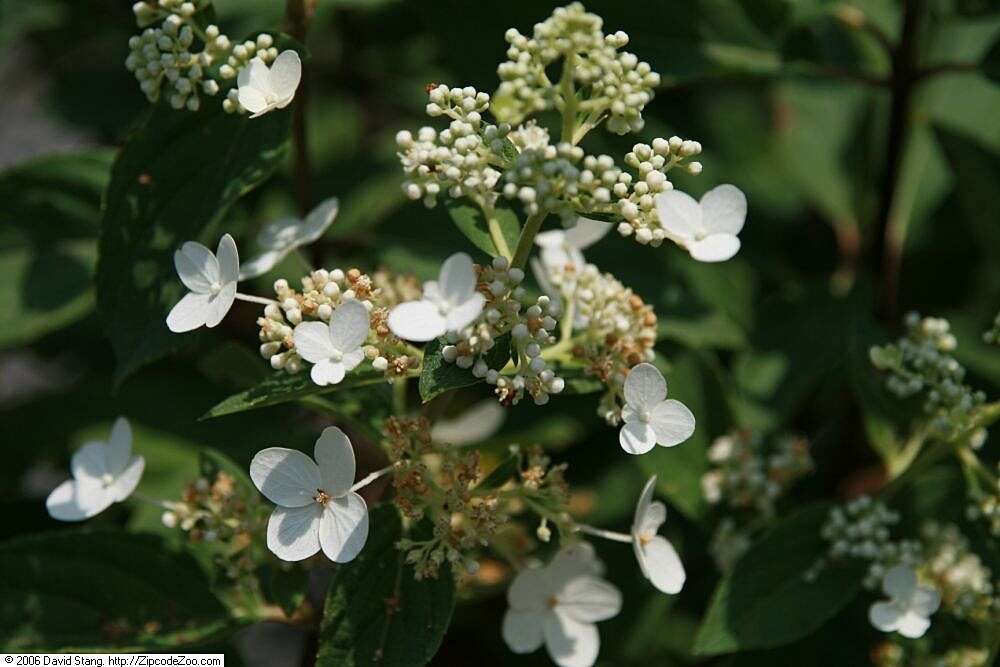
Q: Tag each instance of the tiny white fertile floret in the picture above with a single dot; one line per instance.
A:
(281, 237)
(707, 229)
(909, 607)
(650, 418)
(559, 605)
(657, 558)
(263, 88)
(103, 473)
(316, 508)
(212, 280)
(449, 304)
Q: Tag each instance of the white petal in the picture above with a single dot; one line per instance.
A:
(189, 313)
(672, 422)
(286, 72)
(554, 238)
(76, 501)
(126, 481)
(476, 424)
(465, 313)
(318, 221)
(639, 520)
(522, 630)
(530, 590)
(261, 264)
(253, 100)
(327, 372)
(349, 326)
(645, 387)
(637, 437)
(286, 477)
(884, 616)
(900, 582)
(229, 260)
(714, 248)
(219, 305)
(281, 234)
(343, 529)
(119, 449)
(589, 599)
(724, 210)
(680, 215)
(663, 566)
(587, 232)
(925, 601)
(559, 259)
(90, 463)
(569, 642)
(255, 75)
(197, 267)
(351, 359)
(578, 560)
(913, 625)
(457, 279)
(293, 532)
(312, 341)
(419, 321)
(335, 458)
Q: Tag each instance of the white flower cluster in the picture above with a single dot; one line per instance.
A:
(615, 84)
(992, 337)
(746, 474)
(922, 362)
(165, 59)
(967, 586)
(462, 160)
(861, 530)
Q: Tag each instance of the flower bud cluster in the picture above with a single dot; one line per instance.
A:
(439, 483)
(861, 531)
(165, 59)
(747, 474)
(965, 583)
(728, 544)
(214, 512)
(322, 292)
(922, 362)
(615, 84)
(461, 160)
(505, 312)
(992, 337)
(892, 653)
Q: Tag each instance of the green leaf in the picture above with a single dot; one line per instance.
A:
(174, 181)
(766, 601)
(507, 469)
(377, 612)
(439, 376)
(282, 388)
(44, 290)
(55, 197)
(75, 590)
(470, 221)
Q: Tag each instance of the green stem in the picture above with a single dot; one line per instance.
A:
(496, 234)
(527, 238)
(399, 396)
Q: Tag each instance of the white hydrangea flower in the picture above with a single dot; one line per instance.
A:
(650, 418)
(316, 506)
(909, 607)
(561, 250)
(103, 473)
(559, 605)
(657, 558)
(281, 237)
(449, 305)
(476, 424)
(212, 280)
(262, 89)
(707, 229)
(334, 348)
